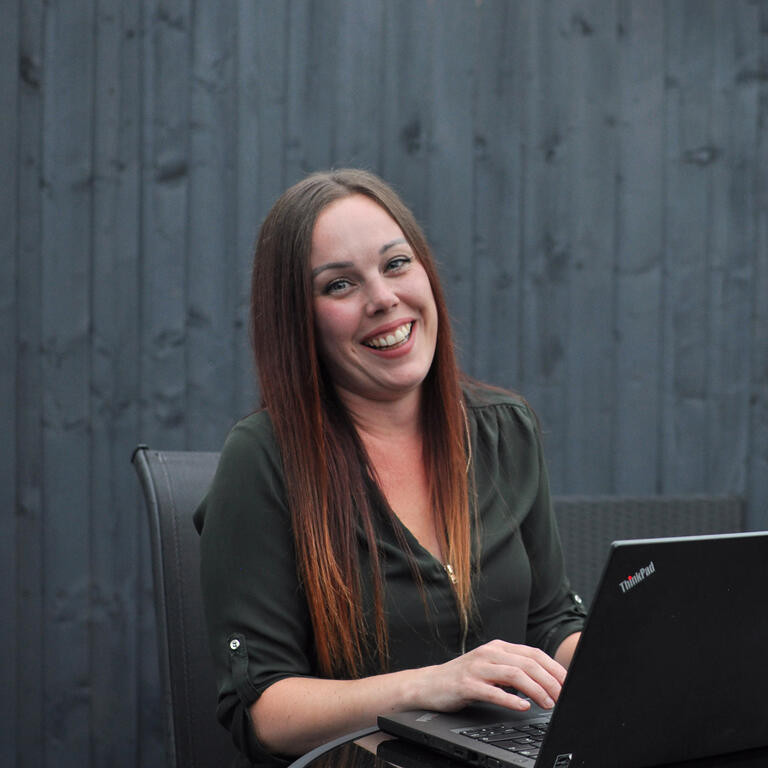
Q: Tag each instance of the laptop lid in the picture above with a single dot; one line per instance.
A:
(672, 664)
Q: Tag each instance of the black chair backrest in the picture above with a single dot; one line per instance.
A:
(174, 482)
(588, 525)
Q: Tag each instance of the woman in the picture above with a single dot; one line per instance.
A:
(380, 536)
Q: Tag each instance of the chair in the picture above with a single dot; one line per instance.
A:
(174, 482)
(588, 525)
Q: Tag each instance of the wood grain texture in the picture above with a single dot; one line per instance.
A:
(262, 71)
(28, 721)
(358, 106)
(547, 240)
(639, 245)
(734, 183)
(405, 94)
(500, 66)
(590, 173)
(66, 280)
(9, 298)
(589, 343)
(691, 153)
(210, 254)
(165, 132)
(757, 466)
(448, 214)
(115, 527)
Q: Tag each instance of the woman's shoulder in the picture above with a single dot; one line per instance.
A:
(481, 396)
(249, 470)
(252, 434)
(500, 414)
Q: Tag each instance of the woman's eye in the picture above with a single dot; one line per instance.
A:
(337, 286)
(398, 262)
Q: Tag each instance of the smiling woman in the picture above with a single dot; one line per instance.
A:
(379, 536)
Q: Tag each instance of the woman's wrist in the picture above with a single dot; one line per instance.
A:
(411, 690)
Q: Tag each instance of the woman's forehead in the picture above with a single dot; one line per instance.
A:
(351, 225)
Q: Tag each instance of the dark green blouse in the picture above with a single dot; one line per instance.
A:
(257, 616)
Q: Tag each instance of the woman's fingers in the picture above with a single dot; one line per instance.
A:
(486, 672)
(532, 673)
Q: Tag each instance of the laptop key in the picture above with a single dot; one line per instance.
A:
(533, 730)
(514, 735)
(509, 745)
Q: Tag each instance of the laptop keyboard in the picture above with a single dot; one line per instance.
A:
(514, 737)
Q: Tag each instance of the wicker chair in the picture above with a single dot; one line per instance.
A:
(588, 525)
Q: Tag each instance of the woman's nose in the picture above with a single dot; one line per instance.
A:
(381, 296)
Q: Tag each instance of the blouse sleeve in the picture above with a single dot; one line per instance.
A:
(258, 621)
(555, 611)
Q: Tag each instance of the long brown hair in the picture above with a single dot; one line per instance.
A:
(327, 472)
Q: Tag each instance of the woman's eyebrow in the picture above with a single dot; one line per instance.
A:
(388, 245)
(331, 265)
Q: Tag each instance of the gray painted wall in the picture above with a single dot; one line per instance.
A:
(591, 173)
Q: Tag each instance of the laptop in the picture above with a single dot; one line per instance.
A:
(672, 665)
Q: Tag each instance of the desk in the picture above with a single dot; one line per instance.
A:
(381, 751)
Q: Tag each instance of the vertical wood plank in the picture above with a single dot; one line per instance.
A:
(66, 278)
(590, 342)
(639, 243)
(163, 365)
(28, 723)
(450, 160)
(757, 472)
(546, 222)
(212, 207)
(732, 224)
(406, 119)
(165, 193)
(500, 70)
(358, 104)
(690, 155)
(311, 87)
(9, 211)
(116, 518)
(261, 131)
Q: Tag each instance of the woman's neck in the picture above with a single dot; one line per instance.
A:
(394, 419)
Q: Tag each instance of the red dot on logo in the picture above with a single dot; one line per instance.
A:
(629, 578)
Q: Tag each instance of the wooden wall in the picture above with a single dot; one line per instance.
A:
(593, 175)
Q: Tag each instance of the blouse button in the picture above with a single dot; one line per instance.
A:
(234, 643)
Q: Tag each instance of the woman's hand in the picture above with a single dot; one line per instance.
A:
(484, 673)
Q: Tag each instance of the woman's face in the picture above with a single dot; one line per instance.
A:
(375, 315)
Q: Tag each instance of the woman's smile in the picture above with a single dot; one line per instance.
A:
(390, 340)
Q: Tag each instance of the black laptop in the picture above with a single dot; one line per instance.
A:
(672, 665)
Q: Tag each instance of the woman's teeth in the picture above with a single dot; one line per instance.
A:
(398, 336)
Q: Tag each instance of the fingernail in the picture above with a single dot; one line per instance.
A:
(548, 703)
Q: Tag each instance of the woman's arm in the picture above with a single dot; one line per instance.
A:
(567, 648)
(297, 714)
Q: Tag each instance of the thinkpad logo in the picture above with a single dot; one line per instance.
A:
(632, 581)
